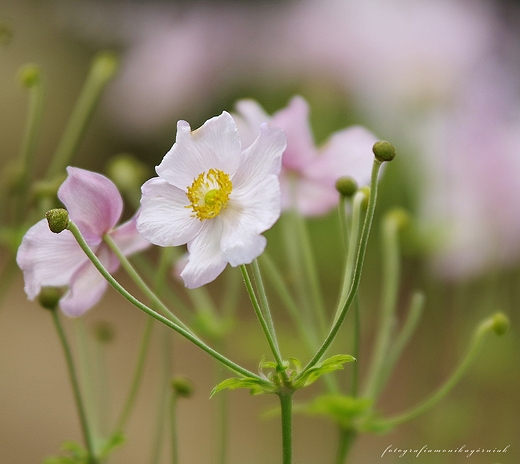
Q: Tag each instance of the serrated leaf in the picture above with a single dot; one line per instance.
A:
(256, 386)
(113, 442)
(333, 363)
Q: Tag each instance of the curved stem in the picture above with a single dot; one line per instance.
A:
(485, 327)
(172, 325)
(356, 276)
(87, 435)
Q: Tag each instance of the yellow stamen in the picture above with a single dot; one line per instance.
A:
(209, 194)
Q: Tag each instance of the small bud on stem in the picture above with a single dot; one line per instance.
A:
(58, 219)
(182, 387)
(346, 186)
(49, 297)
(500, 323)
(29, 75)
(384, 151)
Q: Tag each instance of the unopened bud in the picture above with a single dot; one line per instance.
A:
(500, 323)
(105, 65)
(49, 297)
(58, 219)
(384, 151)
(29, 75)
(401, 218)
(127, 172)
(104, 332)
(182, 387)
(346, 186)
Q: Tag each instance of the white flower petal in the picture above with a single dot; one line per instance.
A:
(93, 202)
(205, 262)
(215, 145)
(88, 285)
(164, 219)
(262, 158)
(48, 259)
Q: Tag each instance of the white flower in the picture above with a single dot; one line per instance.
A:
(214, 196)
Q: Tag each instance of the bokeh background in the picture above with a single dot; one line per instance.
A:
(438, 78)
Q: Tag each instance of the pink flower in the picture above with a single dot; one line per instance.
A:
(309, 173)
(48, 259)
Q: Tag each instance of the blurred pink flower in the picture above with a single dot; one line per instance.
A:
(56, 260)
(309, 173)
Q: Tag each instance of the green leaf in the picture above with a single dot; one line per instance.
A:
(113, 442)
(340, 408)
(333, 363)
(256, 386)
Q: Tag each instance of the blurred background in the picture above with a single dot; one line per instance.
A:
(440, 79)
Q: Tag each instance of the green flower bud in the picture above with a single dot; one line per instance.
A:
(127, 172)
(500, 323)
(346, 186)
(58, 219)
(29, 75)
(105, 65)
(384, 151)
(104, 332)
(5, 34)
(49, 297)
(182, 387)
(401, 218)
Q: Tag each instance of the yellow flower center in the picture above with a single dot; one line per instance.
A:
(209, 194)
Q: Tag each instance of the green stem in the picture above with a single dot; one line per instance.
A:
(357, 209)
(311, 271)
(285, 396)
(173, 428)
(357, 272)
(346, 440)
(127, 266)
(102, 70)
(355, 351)
(391, 278)
(87, 436)
(32, 131)
(412, 319)
(172, 325)
(271, 337)
(478, 337)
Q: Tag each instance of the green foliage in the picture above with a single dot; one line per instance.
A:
(255, 386)
(331, 364)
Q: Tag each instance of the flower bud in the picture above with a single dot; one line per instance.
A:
(49, 297)
(127, 172)
(400, 216)
(182, 387)
(29, 75)
(104, 332)
(500, 323)
(346, 186)
(384, 151)
(58, 219)
(105, 65)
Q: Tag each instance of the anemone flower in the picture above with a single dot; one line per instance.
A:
(214, 196)
(309, 173)
(55, 260)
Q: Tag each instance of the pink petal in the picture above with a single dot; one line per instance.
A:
(347, 153)
(215, 144)
(87, 285)
(164, 218)
(250, 116)
(127, 237)
(48, 259)
(294, 120)
(93, 202)
(205, 262)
